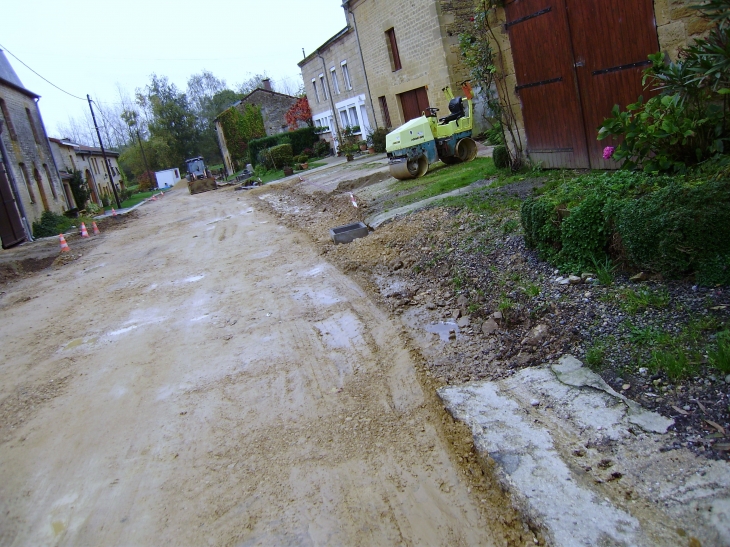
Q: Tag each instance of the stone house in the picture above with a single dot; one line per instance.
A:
(89, 161)
(274, 106)
(337, 90)
(410, 51)
(561, 80)
(31, 177)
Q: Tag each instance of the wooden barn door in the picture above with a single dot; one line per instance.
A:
(11, 226)
(574, 60)
(611, 41)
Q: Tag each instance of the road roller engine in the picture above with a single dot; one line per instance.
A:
(420, 142)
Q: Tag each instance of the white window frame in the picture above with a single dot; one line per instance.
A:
(346, 75)
(344, 118)
(335, 83)
(352, 112)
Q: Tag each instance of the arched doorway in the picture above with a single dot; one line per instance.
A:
(39, 183)
(92, 187)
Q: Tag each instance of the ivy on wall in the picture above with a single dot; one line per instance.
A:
(241, 127)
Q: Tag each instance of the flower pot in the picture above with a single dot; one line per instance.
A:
(288, 171)
(304, 166)
(363, 147)
(371, 150)
(350, 157)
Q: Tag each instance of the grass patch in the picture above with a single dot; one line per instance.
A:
(134, 200)
(441, 179)
(596, 356)
(636, 300)
(674, 363)
(720, 356)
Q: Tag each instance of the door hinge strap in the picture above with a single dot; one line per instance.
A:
(527, 17)
(621, 67)
(535, 84)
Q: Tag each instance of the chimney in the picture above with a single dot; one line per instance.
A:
(267, 84)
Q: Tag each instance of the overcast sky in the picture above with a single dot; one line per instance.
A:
(90, 47)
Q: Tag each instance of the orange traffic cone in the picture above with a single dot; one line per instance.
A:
(114, 213)
(64, 245)
(96, 228)
(84, 233)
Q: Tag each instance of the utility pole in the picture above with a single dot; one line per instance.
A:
(144, 156)
(103, 155)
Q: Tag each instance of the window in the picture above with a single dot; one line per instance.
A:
(335, 83)
(353, 117)
(393, 50)
(32, 126)
(344, 119)
(384, 111)
(316, 93)
(8, 121)
(26, 179)
(39, 182)
(324, 86)
(50, 182)
(346, 75)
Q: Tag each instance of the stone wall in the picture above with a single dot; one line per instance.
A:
(274, 107)
(427, 38)
(677, 25)
(344, 95)
(38, 183)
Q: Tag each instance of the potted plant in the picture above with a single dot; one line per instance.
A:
(349, 143)
(363, 145)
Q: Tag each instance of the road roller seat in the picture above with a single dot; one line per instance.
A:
(456, 107)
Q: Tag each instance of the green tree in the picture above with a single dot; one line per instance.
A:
(79, 189)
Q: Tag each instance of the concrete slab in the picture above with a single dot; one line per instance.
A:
(582, 467)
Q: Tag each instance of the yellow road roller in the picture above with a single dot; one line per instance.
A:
(422, 141)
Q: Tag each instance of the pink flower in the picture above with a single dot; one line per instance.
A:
(608, 152)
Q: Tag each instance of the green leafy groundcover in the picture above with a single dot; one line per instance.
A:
(673, 226)
(299, 140)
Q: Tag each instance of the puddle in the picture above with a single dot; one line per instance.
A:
(442, 328)
(79, 342)
(317, 297)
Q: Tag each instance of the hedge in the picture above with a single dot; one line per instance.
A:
(671, 226)
(299, 140)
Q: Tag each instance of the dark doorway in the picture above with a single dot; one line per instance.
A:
(11, 225)
(574, 60)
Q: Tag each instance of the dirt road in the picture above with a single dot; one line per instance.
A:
(203, 377)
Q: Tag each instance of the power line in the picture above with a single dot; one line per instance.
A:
(34, 72)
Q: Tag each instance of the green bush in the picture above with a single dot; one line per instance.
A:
(377, 139)
(299, 140)
(281, 155)
(652, 223)
(679, 229)
(51, 224)
(500, 155)
(322, 148)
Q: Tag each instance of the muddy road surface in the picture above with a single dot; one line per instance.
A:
(204, 377)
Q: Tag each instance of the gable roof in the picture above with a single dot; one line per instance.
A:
(10, 78)
(234, 105)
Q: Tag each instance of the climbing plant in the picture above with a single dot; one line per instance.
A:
(483, 55)
(241, 127)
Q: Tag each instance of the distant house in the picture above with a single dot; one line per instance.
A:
(30, 183)
(274, 107)
(337, 91)
(89, 161)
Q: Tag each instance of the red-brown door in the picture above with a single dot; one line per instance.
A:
(11, 227)
(546, 82)
(414, 103)
(574, 60)
(611, 42)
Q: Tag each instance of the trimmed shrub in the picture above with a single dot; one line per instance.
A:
(51, 224)
(281, 155)
(680, 229)
(377, 139)
(322, 148)
(658, 224)
(299, 140)
(501, 157)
